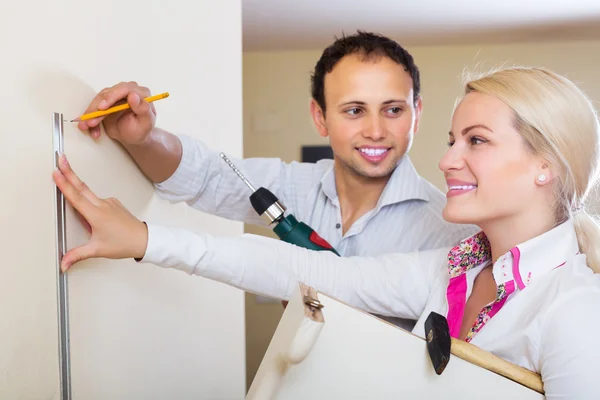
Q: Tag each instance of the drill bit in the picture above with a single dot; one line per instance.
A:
(237, 171)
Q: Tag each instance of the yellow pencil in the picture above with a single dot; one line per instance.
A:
(121, 107)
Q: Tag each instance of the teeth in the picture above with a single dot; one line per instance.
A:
(373, 152)
(464, 187)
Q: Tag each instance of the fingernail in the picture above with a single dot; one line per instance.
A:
(102, 104)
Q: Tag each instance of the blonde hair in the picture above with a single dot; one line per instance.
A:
(558, 122)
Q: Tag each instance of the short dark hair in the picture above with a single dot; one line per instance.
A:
(369, 45)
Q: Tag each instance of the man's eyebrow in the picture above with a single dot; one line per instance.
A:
(362, 103)
(394, 101)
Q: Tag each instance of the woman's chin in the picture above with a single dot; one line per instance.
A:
(458, 215)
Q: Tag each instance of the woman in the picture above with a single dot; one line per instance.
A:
(523, 156)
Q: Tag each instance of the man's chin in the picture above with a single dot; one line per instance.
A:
(375, 171)
(373, 174)
(368, 170)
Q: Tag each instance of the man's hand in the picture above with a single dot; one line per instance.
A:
(115, 232)
(129, 127)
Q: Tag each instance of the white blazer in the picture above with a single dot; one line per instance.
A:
(546, 316)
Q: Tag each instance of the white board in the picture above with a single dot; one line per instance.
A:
(359, 356)
(136, 331)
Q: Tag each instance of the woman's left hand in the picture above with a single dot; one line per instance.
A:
(115, 232)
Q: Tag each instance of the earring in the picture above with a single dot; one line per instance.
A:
(541, 177)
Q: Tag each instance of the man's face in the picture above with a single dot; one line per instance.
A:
(370, 115)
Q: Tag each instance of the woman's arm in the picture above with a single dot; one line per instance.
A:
(390, 285)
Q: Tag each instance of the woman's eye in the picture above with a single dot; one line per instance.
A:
(476, 140)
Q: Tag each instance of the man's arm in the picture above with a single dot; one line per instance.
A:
(159, 156)
(204, 181)
(184, 169)
(156, 151)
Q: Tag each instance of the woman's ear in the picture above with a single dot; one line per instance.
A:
(544, 175)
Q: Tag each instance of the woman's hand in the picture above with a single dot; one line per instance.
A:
(115, 232)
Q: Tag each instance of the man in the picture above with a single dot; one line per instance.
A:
(369, 200)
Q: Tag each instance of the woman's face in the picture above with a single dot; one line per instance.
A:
(490, 172)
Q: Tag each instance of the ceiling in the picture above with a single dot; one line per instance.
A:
(313, 24)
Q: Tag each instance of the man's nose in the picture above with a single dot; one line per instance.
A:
(375, 129)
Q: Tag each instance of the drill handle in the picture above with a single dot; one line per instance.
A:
(298, 233)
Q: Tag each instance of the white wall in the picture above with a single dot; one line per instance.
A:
(137, 331)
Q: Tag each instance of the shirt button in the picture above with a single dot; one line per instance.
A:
(338, 226)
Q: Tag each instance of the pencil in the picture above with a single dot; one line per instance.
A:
(115, 109)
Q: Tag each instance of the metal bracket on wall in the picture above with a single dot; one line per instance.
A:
(61, 248)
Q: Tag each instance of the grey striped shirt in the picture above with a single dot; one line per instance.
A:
(407, 217)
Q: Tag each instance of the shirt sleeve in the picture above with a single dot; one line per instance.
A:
(389, 285)
(569, 351)
(205, 182)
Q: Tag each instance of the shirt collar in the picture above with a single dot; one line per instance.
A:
(524, 263)
(404, 184)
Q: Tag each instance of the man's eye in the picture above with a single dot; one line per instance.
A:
(353, 111)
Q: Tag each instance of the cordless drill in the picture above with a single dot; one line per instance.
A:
(287, 228)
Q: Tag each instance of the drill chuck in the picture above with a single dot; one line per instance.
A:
(289, 229)
(267, 205)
